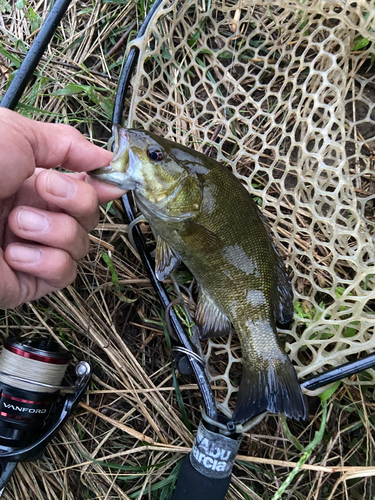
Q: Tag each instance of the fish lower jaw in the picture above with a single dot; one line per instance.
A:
(115, 178)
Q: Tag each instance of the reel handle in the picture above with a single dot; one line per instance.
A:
(9, 457)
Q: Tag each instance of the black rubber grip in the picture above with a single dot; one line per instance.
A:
(192, 485)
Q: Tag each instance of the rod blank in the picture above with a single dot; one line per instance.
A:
(34, 54)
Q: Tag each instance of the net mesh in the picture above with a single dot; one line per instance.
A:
(284, 94)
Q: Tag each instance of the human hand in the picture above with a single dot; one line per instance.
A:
(45, 215)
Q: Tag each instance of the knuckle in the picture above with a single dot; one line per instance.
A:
(97, 217)
(94, 220)
(75, 238)
(65, 269)
(8, 300)
(86, 247)
(13, 219)
(90, 201)
(83, 247)
(68, 131)
(72, 232)
(71, 276)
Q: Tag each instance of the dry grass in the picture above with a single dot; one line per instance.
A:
(129, 433)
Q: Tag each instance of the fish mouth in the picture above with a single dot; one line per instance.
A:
(121, 142)
(116, 172)
(110, 176)
(100, 171)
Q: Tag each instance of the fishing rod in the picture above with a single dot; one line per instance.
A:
(196, 365)
(206, 471)
(34, 54)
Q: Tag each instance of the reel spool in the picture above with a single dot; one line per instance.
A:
(31, 372)
(33, 403)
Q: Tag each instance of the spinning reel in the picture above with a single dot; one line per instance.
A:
(33, 403)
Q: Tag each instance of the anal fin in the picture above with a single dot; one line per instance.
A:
(166, 259)
(210, 320)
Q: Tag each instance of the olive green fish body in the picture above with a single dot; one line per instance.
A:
(232, 257)
(206, 218)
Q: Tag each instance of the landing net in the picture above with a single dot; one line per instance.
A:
(284, 93)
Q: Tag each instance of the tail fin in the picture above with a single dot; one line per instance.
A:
(274, 388)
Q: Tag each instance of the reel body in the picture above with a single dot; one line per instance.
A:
(26, 408)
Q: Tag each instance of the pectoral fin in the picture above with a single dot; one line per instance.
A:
(210, 320)
(166, 259)
(198, 237)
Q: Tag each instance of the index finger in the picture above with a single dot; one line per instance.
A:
(55, 144)
(26, 144)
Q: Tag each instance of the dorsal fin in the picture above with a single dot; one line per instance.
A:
(283, 305)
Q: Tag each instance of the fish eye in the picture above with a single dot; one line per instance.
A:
(154, 153)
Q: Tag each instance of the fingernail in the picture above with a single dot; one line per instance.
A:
(59, 185)
(32, 221)
(25, 254)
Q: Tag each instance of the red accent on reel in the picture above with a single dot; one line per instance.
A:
(19, 400)
(13, 417)
(36, 357)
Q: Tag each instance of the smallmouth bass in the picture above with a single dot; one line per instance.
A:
(205, 217)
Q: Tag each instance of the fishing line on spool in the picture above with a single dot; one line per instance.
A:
(32, 406)
(31, 373)
(31, 369)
